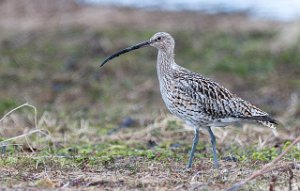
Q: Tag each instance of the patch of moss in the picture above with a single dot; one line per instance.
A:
(266, 154)
(294, 153)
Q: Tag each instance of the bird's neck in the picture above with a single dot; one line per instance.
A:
(165, 60)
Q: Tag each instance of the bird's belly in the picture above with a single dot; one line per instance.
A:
(186, 109)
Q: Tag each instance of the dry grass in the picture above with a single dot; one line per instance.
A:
(108, 129)
(141, 172)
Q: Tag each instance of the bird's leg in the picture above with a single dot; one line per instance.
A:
(195, 142)
(213, 142)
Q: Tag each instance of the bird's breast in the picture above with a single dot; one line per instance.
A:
(180, 104)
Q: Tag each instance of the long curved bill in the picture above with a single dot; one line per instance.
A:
(137, 46)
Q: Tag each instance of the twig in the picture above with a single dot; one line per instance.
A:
(290, 178)
(272, 183)
(265, 169)
(19, 107)
(26, 134)
(11, 111)
(30, 147)
(37, 130)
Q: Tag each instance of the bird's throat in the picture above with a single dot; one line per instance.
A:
(164, 62)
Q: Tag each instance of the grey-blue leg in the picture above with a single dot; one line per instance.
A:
(213, 142)
(195, 142)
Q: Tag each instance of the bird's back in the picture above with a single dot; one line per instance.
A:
(202, 102)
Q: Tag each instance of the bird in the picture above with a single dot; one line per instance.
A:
(197, 100)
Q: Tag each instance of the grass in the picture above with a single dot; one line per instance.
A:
(82, 151)
(83, 108)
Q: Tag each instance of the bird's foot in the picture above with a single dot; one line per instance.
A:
(216, 164)
(184, 170)
(187, 169)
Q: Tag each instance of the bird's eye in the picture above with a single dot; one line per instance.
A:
(159, 38)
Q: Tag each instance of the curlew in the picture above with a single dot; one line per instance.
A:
(197, 100)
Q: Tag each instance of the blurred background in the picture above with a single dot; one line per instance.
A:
(50, 52)
(108, 127)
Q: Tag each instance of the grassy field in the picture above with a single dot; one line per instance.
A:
(108, 128)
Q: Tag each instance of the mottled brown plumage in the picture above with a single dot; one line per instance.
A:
(199, 101)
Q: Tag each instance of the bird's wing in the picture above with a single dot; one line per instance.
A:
(217, 101)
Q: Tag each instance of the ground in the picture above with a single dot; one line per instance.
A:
(88, 128)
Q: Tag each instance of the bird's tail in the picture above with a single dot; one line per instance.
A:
(269, 124)
(265, 120)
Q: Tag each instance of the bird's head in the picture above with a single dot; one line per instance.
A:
(161, 40)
